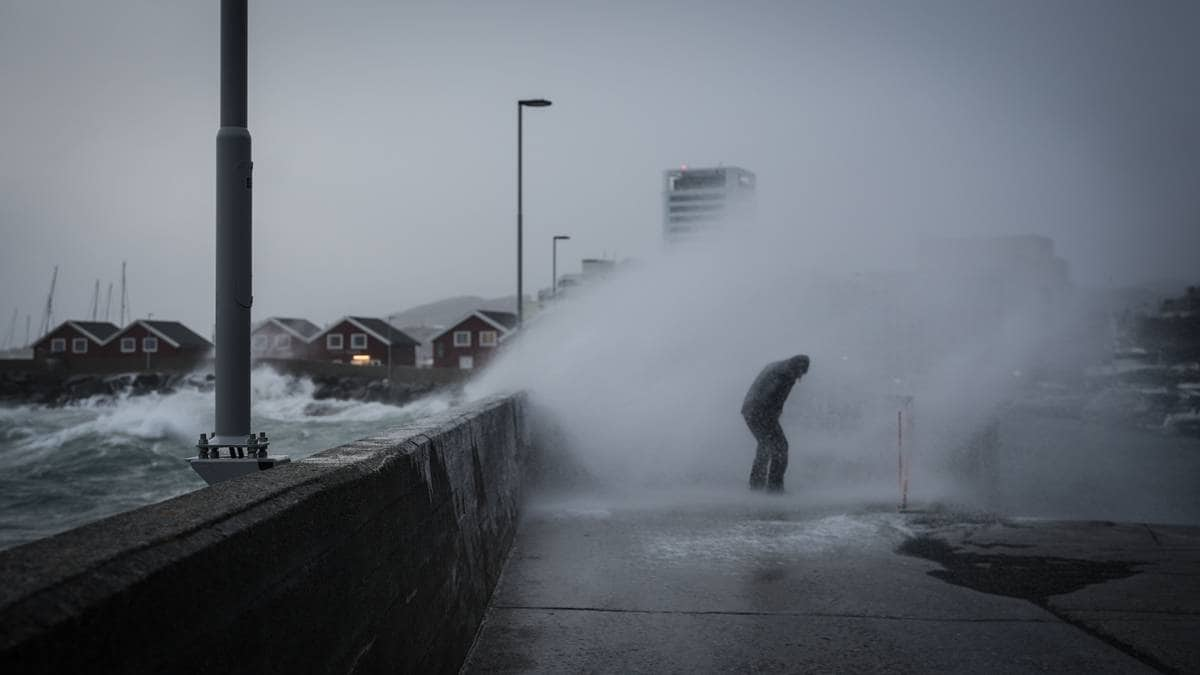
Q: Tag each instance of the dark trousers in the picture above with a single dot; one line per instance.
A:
(771, 457)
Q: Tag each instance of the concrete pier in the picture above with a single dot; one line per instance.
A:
(789, 586)
(376, 556)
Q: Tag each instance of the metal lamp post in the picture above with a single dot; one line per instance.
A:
(554, 264)
(247, 451)
(391, 340)
(521, 104)
(233, 233)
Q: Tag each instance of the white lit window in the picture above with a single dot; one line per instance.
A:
(149, 344)
(487, 338)
(283, 341)
(358, 341)
(462, 338)
(58, 345)
(128, 345)
(333, 341)
(79, 345)
(259, 342)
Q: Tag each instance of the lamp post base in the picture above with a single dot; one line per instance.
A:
(215, 471)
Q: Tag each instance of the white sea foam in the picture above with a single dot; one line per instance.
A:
(283, 404)
(788, 539)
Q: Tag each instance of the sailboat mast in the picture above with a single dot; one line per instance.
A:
(48, 313)
(124, 293)
(12, 327)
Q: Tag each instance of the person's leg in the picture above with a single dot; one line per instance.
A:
(762, 455)
(778, 445)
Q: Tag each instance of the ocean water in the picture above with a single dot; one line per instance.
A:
(63, 467)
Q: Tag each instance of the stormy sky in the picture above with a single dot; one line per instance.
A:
(385, 141)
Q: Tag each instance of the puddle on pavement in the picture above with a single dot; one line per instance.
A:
(1033, 578)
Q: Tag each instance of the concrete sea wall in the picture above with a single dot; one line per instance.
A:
(376, 556)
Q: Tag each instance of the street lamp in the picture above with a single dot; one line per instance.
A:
(391, 340)
(554, 264)
(247, 451)
(521, 104)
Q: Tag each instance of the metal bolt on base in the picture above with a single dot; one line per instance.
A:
(249, 456)
(254, 446)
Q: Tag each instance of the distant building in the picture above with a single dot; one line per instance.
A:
(591, 271)
(1172, 335)
(596, 268)
(472, 341)
(1183, 307)
(1018, 267)
(75, 341)
(424, 336)
(142, 343)
(697, 202)
(363, 341)
(282, 338)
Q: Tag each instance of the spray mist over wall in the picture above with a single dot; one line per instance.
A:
(645, 372)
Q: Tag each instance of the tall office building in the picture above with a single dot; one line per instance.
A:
(697, 202)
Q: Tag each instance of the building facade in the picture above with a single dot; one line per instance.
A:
(473, 340)
(363, 341)
(282, 338)
(699, 202)
(74, 341)
(143, 343)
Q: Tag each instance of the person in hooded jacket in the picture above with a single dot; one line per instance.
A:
(761, 409)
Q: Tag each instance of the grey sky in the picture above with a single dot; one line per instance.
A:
(384, 138)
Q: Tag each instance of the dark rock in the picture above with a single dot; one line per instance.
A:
(85, 386)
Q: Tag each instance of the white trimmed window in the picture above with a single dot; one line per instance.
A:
(487, 338)
(283, 341)
(128, 345)
(150, 345)
(358, 341)
(58, 345)
(333, 341)
(79, 345)
(462, 338)
(259, 342)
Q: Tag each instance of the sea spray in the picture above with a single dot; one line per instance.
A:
(644, 374)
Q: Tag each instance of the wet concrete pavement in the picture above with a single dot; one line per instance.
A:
(783, 586)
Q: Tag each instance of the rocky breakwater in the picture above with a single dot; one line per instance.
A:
(41, 389)
(366, 389)
(35, 388)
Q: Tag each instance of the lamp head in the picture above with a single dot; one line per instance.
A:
(534, 102)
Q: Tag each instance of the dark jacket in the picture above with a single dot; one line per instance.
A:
(769, 391)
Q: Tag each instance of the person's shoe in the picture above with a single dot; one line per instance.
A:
(757, 487)
(776, 489)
